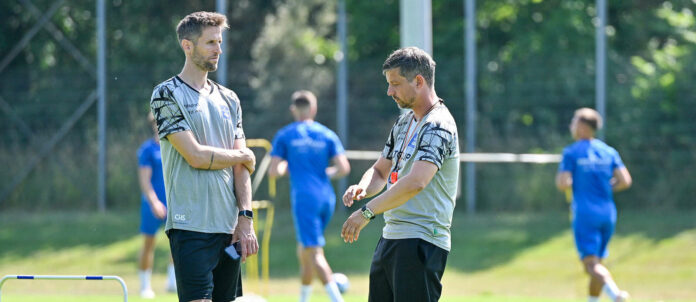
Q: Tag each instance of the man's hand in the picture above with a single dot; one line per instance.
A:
(250, 159)
(353, 225)
(244, 233)
(158, 209)
(353, 192)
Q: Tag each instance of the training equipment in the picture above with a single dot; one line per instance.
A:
(66, 277)
(259, 282)
(342, 282)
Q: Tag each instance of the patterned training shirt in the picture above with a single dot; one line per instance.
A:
(428, 215)
(198, 200)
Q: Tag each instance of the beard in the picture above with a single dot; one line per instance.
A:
(402, 104)
(202, 63)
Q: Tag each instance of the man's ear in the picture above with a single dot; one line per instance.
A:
(186, 45)
(420, 81)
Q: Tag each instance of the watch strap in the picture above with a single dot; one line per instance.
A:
(246, 213)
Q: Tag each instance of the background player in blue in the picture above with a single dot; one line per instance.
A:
(593, 170)
(306, 148)
(153, 210)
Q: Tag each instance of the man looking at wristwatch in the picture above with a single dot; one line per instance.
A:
(420, 166)
(206, 167)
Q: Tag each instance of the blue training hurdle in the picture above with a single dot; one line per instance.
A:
(65, 277)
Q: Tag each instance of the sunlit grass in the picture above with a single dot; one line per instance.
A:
(495, 257)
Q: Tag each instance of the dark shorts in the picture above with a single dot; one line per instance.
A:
(406, 270)
(203, 269)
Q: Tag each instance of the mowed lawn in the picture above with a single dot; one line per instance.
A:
(515, 257)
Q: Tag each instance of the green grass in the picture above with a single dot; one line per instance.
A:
(495, 257)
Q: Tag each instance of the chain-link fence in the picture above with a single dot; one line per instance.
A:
(533, 73)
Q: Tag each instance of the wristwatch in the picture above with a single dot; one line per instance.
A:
(247, 213)
(367, 213)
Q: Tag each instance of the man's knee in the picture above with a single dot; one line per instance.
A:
(590, 263)
(312, 251)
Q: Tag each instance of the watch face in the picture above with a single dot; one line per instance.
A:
(367, 213)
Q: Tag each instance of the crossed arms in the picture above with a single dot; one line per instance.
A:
(242, 160)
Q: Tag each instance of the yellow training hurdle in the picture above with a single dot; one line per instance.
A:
(252, 265)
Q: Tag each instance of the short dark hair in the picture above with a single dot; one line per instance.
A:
(412, 61)
(302, 99)
(191, 26)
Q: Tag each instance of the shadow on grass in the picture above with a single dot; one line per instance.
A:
(655, 224)
(24, 234)
(479, 242)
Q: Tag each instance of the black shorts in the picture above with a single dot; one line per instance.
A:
(203, 269)
(406, 270)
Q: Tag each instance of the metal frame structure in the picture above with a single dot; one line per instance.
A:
(43, 22)
(471, 88)
(416, 29)
(66, 277)
(468, 157)
(252, 266)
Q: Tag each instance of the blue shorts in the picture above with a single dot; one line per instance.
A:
(149, 224)
(592, 235)
(311, 219)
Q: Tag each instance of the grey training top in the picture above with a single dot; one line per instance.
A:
(197, 200)
(428, 215)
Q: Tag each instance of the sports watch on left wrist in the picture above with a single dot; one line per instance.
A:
(367, 213)
(247, 213)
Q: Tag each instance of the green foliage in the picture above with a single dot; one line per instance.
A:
(535, 67)
(295, 50)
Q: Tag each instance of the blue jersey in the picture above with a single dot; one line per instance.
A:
(308, 147)
(149, 156)
(592, 164)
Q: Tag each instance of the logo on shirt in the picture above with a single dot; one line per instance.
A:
(180, 217)
(225, 112)
(412, 142)
(192, 108)
(308, 142)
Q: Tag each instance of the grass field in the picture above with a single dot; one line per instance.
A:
(495, 257)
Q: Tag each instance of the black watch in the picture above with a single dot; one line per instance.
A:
(247, 213)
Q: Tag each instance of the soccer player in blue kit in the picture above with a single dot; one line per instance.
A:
(593, 170)
(307, 148)
(153, 210)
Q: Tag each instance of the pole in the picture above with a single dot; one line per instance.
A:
(101, 107)
(342, 83)
(470, 13)
(601, 54)
(415, 24)
(221, 8)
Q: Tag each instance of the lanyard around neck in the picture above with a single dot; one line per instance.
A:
(407, 138)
